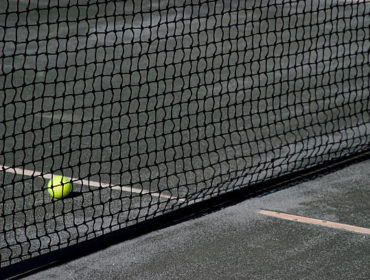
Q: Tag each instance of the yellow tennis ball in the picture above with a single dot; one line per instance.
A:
(59, 187)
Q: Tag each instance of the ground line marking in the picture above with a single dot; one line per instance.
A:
(33, 173)
(312, 221)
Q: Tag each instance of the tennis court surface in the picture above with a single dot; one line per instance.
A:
(238, 242)
(152, 107)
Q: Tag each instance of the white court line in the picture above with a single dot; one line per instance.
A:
(317, 222)
(57, 117)
(33, 173)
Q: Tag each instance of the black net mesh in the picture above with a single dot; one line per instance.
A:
(149, 106)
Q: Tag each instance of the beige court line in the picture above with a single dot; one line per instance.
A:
(312, 221)
(33, 173)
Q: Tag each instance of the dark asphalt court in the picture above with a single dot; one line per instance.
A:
(238, 243)
(189, 101)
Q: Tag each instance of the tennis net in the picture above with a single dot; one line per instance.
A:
(150, 106)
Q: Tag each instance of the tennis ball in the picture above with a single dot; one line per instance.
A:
(59, 187)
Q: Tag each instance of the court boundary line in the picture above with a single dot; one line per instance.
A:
(88, 182)
(312, 221)
(179, 215)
